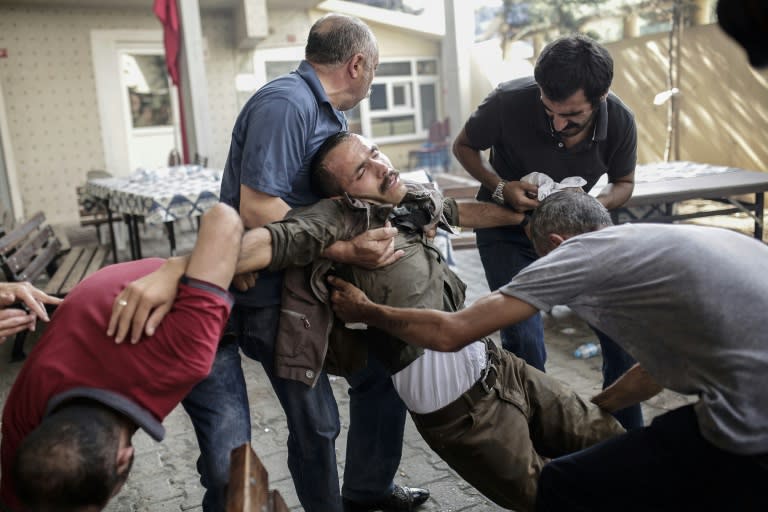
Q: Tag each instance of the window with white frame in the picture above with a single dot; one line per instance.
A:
(403, 103)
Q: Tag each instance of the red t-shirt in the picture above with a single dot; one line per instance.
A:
(155, 374)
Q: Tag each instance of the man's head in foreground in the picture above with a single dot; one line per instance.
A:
(350, 163)
(563, 215)
(76, 460)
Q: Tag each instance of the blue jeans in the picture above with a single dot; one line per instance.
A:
(375, 437)
(665, 466)
(218, 408)
(313, 422)
(504, 253)
(616, 362)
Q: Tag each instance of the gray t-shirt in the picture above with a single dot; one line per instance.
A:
(688, 302)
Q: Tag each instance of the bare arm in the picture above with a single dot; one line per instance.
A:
(151, 297)
(476, 214)
(258, 208)
(141, 305)
(635, 386)
(617, 192)
(471, 159)
(514, 191)
(255, 251)
(429, 328)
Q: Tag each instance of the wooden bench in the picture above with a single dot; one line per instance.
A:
(248, 489)
(31, 249)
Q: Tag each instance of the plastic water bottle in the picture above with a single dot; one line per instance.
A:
(586, 351)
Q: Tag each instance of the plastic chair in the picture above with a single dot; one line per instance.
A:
(433, 154)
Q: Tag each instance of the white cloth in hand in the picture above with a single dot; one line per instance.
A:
(549, 186)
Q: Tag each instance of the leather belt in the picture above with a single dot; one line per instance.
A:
(463, 405)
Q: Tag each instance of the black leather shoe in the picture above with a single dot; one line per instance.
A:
(401, 499)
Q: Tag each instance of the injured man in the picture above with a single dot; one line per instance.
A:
(493, 418)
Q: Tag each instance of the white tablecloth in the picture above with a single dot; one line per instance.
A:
(161, 195)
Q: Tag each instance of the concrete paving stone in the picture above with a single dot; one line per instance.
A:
(149, 463)
(170, 505)
(268, 440)
(192, 491)
(450, 496)
(276, 466)
(286, 490)
(421, 470)
(124, 502)
(157, 489)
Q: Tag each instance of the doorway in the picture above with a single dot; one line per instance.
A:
(151, 102)
(138, 106)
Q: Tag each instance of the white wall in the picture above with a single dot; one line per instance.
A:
(723, 101)
(50, 96)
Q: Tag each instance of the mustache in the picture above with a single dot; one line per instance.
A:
(571, 126)
(577, 127)
(388, 178)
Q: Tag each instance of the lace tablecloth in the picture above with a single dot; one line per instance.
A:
(665, 171)
(160, 195)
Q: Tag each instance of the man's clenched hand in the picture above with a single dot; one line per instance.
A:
(349, 302)
(372, 249)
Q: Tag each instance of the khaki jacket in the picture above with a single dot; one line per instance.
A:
(308, 338)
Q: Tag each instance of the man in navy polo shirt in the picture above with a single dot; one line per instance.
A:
(267, 174)
(69, 418)
(562, 122)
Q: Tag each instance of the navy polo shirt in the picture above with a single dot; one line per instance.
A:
(273, 142)
(512, 122)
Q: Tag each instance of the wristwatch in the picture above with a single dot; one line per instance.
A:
(498, 193)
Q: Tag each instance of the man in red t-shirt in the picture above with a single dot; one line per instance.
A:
(69, 418)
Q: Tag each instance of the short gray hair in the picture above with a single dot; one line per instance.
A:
(569, 212)
(335, 38)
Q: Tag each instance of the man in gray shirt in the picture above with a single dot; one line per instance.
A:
(688, 303)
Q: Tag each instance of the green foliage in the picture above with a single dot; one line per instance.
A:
(563, 16)
(552, 18)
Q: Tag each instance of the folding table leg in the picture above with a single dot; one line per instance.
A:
(171, 236)
(112, 242)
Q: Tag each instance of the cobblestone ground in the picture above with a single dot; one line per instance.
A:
(164, 477)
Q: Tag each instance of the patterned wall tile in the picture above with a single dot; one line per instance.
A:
(51, 102)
